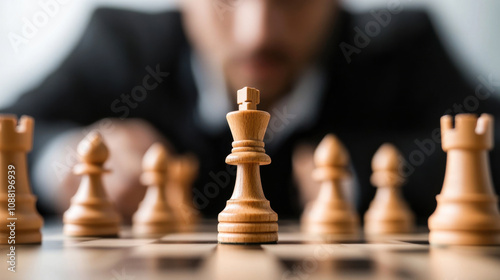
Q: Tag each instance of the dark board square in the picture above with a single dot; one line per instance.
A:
(184, 242)
(420, 242)
(338, 266)
(164, 263)
(354, 265)
(423, 250)
(301, 242)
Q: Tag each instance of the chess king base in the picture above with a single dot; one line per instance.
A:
(248, 238)
(247, 221)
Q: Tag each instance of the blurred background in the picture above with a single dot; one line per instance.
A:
(468, 29)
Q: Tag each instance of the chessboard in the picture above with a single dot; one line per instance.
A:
(197, 255)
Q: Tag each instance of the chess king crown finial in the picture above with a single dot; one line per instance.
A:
(248, 98)
(470, 132)
(248, 127)
(16, 135)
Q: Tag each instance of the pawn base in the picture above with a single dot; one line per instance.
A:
(330, 228)
(102, 230)
(388, 227)
(330, 218)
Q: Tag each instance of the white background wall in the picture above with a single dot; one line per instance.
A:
(469, 28)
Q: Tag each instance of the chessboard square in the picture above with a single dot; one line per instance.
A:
(205, 237)
(173, 250)
(317, 252)
(114, 243)
(393, 247)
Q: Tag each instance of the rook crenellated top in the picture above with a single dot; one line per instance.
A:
(14, 134)
(470, 132)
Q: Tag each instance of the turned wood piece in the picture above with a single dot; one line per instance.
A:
(20, 221)
(91, 213)
(248, 217)
(388, 212)
(330, 213)
(182, 171)
(467, 207)
(154, 216)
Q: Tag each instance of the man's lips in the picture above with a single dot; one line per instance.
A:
(261, 66)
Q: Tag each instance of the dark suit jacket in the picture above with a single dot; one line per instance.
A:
(395, 89)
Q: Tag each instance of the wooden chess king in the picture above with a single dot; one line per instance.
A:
(467, 210)
(15, 142)
(248, 217)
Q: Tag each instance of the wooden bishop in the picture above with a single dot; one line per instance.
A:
(91, 213)
(248, 217)
(18, 215)
(388, 212)
(154, 216)
(467, 210)
(330, 213)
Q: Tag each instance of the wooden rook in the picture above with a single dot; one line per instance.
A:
(90, 212)
(20, 220)
(248, 217)
(388, 212)
(154, 216)
(467, 210)
(330, 213)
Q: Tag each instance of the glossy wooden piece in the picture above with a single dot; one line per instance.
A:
(388, 212)
(467, 210)
(330, 213)
(248, 217)
(182, 172)
(154, 216)
(91, 213)
(16, 140)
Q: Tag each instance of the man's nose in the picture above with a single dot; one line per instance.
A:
(256, 23)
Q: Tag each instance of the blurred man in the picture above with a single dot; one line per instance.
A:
(370, 78)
